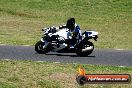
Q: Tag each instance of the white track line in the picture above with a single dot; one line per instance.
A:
(40, 61)
(56, 62)
(119, 49)
(26, 45)
(3, 44)
(122, 66)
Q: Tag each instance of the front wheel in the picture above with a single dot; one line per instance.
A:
(85, 49)
(39, 47)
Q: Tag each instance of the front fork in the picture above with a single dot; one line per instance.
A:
(82, 42)
(46, 43)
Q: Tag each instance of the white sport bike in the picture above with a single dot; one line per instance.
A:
(54, 40)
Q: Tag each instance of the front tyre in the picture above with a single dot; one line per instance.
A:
(85, 49)
(39, 48)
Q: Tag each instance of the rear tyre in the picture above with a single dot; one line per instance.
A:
(39, 48)
(83, 49)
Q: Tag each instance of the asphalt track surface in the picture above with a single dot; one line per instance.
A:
(98, 57)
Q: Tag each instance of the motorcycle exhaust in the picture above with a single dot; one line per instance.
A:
(87, 49)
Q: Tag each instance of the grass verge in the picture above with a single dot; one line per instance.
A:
(31, 74)
(21, 21)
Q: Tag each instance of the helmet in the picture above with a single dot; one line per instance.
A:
(70, 23)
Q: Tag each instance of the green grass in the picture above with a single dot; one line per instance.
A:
(21, 21)
(31, 74)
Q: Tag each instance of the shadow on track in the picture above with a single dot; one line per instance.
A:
(58, 54)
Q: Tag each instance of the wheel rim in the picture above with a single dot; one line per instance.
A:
(87, 47)
(41, 47)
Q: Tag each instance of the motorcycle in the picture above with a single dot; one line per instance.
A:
(55, 40)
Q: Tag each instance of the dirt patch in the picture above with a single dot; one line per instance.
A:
(66, 80)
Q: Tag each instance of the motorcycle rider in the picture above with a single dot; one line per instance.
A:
(74, 32)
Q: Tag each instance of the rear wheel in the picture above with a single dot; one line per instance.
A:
(85, 49)
(39, 48)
